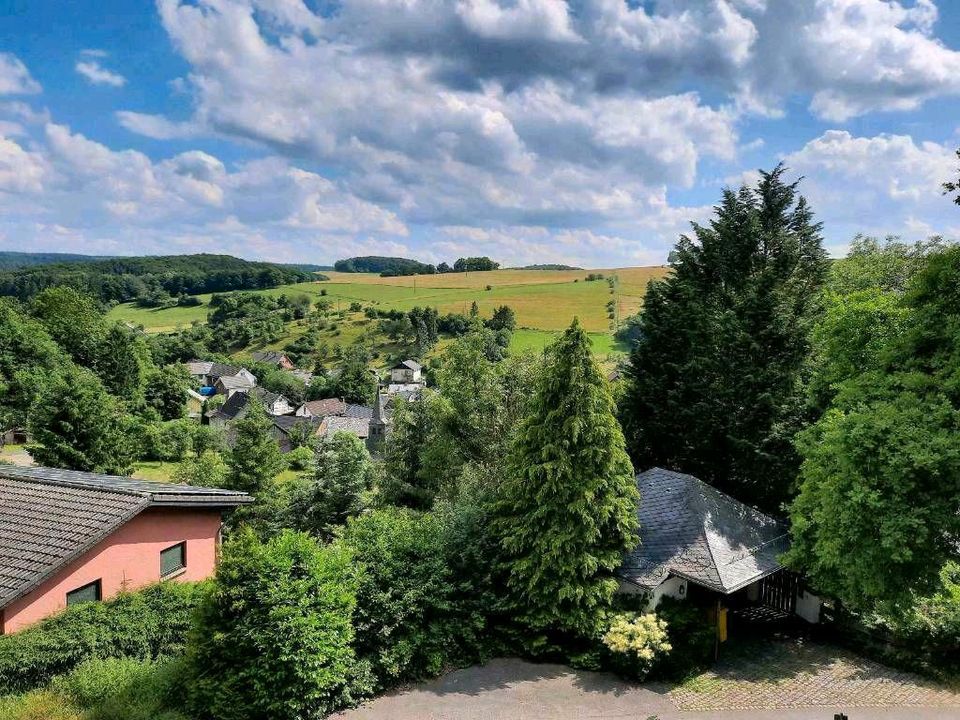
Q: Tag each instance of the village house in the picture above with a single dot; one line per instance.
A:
(208, 374)
(238, 404)
(322, 408)
(701, 545)
(68, 537)
(339, 423)
(272, 357)
(406, 371)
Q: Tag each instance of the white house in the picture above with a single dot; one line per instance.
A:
(406, 371)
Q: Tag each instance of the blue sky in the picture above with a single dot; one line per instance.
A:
(588, 131)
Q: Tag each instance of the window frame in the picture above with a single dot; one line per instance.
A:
(96, 584)
(183, 560)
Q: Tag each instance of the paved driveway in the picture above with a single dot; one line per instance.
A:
(787, 680)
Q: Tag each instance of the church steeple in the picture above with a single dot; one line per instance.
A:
(379, 423)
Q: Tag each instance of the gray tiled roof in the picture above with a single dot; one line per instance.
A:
(50, 517)
(235, 404)
(285, 423)
(358, 426)
(267, 356)
(357, 411)
(408, 364)
(690, 529)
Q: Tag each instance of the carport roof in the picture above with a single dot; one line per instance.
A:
(694, 531)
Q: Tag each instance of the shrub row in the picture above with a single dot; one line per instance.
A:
(146, 625)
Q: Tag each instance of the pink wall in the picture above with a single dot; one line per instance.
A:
(126, 560)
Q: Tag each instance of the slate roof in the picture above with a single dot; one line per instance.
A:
(324, 408)
(234, 382)
(268, 356)
(50, 517)
(358, 426)
(235, 404)
(694, 531)
(358, 411)
(198, 367)
(407, 364)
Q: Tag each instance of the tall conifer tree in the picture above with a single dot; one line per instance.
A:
(567, 511)
(714, 383)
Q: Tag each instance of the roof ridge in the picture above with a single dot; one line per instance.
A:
(77, 484)
(699, 500)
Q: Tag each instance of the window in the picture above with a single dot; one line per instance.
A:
(172, 559)
(86, 593)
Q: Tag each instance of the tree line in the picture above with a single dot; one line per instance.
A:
(151, 281)
(394, 266)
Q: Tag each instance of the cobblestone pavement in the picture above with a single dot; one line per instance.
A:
(795, 674)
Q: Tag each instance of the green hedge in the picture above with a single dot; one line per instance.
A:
(144, 625)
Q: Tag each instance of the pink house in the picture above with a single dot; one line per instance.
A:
(69, 537)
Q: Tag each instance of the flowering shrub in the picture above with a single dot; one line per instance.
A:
(636, 641)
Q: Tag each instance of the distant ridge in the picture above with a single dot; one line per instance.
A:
(10, 260)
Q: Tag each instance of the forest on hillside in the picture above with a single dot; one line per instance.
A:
(151, 281)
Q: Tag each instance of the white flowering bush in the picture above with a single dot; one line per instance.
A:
(636, 641)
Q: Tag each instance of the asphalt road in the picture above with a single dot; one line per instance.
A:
(510, 689)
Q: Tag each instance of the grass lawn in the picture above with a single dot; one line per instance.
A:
(155, 470)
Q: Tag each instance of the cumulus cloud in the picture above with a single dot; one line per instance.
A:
(73, 182)
(878, 185)
(15, 78)
(96, 74)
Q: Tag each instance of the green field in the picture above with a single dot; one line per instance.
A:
(544, 302)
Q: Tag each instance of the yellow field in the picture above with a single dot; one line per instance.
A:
(544, 301)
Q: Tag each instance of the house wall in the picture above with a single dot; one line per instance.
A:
(404, 375)
(126, 560)
(808, 606)
(674, 587)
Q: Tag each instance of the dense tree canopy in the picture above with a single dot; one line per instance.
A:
(714, 380)
(877, 511)
(77, 425)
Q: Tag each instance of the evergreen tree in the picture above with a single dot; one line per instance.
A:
(334, 492)
(714, 382)
(124, 363)
(77, 425)
(567, 511)
(256, 457)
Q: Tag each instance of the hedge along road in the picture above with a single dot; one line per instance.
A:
(510, 689)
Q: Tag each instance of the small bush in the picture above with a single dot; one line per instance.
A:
(144, 625)
(635, 642)
(300, 458)
(691, 637)
(273, 638)
(38, 705)
(411, 620)
(123, 689)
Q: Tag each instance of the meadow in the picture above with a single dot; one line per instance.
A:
(545, 301)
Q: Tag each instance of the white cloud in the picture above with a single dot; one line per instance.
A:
(879, 185)
(94, 72)
(15, 78)
(156, 126)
